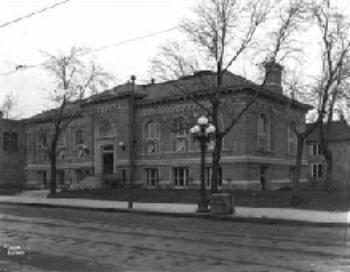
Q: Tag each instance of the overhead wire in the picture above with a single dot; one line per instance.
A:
(33, 13)
(98, 49)
(102, 48)
(24, 17)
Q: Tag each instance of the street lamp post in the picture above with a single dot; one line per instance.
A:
(202, 132)
(132, 142)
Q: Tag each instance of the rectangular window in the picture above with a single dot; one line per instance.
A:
(152, 177)
(79, 137)
(315, 149)
(292, 139)
(181, 175)
(317, 170)
(181, 144)
(263, 132)
(62, 139)
(263, 143)
(152, 146)
(10, 141)
(208, 174)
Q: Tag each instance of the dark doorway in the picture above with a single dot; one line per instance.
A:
(123, 177)
(108, 163)
(60, 177)
(291, 173)
(44, 179)
(263, 177)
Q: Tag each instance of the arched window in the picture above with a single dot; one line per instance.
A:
(10, 141)
(42, 141)
(105, 129)
(263, 132)
(79, 139)
(292, 138)
(41, 153)
(152, 136)
(181, 135)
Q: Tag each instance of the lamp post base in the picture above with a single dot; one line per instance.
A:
(203, 207)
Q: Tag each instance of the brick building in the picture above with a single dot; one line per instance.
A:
(257, 153)
(339, 144)
(12, 152)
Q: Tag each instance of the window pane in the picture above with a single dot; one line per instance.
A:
(10, 141)
(320, 170)
(314, 170)
(181, 145)
(79, 137)
(181, 176)
(181, 127)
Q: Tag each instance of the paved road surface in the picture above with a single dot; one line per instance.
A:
(72, 240)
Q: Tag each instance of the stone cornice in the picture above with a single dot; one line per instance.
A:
(77, 165)
(224, 160)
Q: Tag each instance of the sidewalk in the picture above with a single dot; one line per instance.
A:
(246, 214)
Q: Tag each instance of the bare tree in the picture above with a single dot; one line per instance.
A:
(8, 105)
(222, 32)
(333, 84)
(298, 90)
(330, 89)
(73, 80)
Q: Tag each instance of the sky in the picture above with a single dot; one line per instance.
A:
(129, 25)
(82, 23)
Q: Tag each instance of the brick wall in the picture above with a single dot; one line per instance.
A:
(12, 162)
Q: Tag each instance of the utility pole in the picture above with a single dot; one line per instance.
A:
(132, 142)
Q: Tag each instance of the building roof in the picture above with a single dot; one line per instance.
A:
(200, 83)
(339, 131)
(71, 108)
(7, 121)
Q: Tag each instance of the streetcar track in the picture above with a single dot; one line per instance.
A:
(202, 241)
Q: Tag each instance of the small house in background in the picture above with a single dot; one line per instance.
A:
(339, 144)
(12, 152)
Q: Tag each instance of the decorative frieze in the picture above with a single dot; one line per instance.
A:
(107, 108)
(170, 109)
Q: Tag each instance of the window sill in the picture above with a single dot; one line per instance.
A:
(180, 187)
(264, 152)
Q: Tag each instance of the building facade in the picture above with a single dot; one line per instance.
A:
(12, 152)
(339, 144)
(258, 153)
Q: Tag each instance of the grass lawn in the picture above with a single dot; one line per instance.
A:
(315, 200)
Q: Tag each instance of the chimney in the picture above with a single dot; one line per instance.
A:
(273, 77)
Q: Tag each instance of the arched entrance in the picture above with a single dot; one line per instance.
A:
(105, 148)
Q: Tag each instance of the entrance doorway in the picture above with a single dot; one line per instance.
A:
(44, 179)
(60, 176)
(263, 177)
(108, 160)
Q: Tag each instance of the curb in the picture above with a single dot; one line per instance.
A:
(238, 219)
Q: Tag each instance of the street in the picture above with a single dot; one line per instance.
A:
(44, 239)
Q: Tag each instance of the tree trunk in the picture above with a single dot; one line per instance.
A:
(296, 177)
(53, 173)
(329, 168)
(217, 149)
(324, 136)
(216, 164)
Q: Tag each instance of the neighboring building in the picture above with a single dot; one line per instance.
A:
(339, 144)
(12, 152)
(258, 153)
